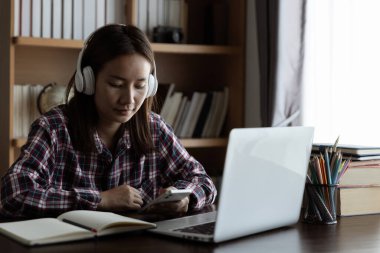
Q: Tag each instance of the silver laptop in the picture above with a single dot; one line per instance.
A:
(262, 186)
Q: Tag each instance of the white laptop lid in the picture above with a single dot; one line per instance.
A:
(263, 180)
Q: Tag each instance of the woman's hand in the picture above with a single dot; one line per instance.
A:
(173, 208)
(121, 198)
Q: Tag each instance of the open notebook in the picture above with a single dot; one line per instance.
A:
(70, 226)
(262, 187)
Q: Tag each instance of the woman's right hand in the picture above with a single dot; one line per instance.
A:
(121, 198)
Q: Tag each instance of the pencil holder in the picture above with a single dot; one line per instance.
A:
(321, 202)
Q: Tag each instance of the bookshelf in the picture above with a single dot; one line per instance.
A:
(191, 67)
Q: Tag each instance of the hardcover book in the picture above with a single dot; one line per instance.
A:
(358, 201)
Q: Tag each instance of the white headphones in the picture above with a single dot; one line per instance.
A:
(85, 79)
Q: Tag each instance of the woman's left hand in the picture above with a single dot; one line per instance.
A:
(173, 208)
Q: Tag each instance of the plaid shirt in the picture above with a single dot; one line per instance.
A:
(51, 177)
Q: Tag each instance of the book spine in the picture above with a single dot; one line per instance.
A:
(195, 116)
(142, 15)
(16, 18)
(26, 18)
(152, 16)
(89, 10)
(78, 20)
(203, 116)
(100, 13)
(36, 18)
(67, 14)
(46, 18)
(57, 19)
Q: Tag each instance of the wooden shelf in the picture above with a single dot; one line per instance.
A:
(205, 143)
(157, 47)
(188, 143)
(41, 42)
(192, 67)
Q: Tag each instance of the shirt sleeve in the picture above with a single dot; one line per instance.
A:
(183, 171)
(25, 188)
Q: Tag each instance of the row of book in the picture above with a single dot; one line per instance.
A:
(200, 116)
(25, 109)
(359, 187)
(65, 19)
(30, 101)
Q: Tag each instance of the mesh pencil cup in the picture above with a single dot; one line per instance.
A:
(321, 203)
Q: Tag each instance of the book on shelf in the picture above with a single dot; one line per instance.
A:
(152, 16)
(358, 201)
(115, 12)
(47, 18)
(142, 10)
(36, 18)
(26, 18)
(100, 13)
(57, 19)
(182, 116)
(217, 114)
(211, 115)
(161, 12)
(67, 19)
(179, 114)
(164, 93)
(175, 102)
(77, 20)
(203, 116)
(71, 226)
(16, 17)
(223, 112)
(191, 118)
(362, 173)
(89, 17)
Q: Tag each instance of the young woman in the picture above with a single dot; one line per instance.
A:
(105, 149)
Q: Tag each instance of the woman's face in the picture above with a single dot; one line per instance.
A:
(121, 88)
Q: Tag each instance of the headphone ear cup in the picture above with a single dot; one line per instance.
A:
(78, 81)
(88, 81)
(152, 86)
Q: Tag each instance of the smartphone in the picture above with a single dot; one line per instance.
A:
(169, 196)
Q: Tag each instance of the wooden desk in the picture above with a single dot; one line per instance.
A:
(351, 234)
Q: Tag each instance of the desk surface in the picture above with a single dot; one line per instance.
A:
(351, 234)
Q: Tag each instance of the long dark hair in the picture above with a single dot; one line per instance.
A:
(104, 45)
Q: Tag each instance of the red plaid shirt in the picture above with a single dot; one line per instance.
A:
(51, 177)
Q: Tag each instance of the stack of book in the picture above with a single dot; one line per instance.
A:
(200, 115)
(359, 187)
(65, 19)
(359, 191)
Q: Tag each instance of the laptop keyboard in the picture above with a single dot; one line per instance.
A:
(205, 229)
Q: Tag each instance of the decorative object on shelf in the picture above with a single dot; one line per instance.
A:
(51, 96)
(167, 34)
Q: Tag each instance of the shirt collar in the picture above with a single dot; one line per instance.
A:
(123, 143)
